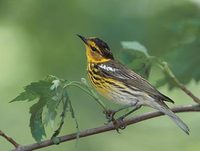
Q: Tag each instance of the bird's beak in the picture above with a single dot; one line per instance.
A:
(83, 38)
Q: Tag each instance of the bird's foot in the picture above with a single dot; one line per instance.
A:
(119, 124)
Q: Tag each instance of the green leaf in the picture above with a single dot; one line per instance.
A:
(41, 88)
(182, 47)
(36, 124)
(184, 62)
(134, 45)
(137, 58)
(52, 106)
(50, 114)
(42, 91)
(35, 90)
(65, 102)
(24, 96)
(50, 93)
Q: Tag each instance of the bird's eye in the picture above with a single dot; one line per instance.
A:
(94, 49)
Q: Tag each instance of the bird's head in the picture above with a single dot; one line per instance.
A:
(96, 50)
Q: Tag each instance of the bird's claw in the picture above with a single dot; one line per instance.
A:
(119, 124)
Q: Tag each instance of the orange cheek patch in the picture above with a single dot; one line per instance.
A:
(93, 56)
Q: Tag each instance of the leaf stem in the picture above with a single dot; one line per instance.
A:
(178, 83)
(88, 91)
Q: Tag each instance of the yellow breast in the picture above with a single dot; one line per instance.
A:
(99, 82)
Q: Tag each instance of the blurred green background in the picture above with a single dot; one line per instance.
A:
(38, 38)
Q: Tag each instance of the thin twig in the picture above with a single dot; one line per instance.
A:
(108, 127)
(9, 139)
(178, 83)
(188, 92)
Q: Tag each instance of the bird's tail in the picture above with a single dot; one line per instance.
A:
(161, 106)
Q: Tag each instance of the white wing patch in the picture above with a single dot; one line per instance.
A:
(103, 66)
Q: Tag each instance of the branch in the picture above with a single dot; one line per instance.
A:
(178, 83)
(105, 128)
(188, 92)
(9, 139)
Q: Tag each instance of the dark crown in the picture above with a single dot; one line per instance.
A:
(103, 47)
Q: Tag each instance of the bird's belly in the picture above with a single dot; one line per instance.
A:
(114, 94)
(124, 99)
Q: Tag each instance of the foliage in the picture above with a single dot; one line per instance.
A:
(49, 93)
(183, 53)
(137, 57)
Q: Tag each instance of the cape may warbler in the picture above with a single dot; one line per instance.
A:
(118, 83)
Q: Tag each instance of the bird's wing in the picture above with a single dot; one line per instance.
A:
(115, 70)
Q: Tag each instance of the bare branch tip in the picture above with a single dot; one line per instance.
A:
(9, 139)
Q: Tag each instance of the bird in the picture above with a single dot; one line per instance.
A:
(118, 83)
